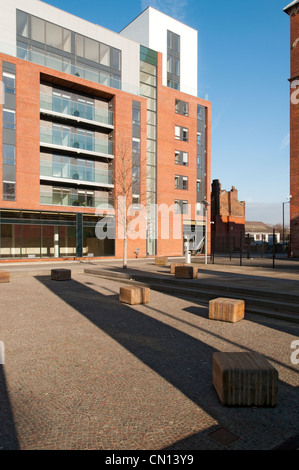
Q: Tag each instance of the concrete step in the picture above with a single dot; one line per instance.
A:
(266, 304)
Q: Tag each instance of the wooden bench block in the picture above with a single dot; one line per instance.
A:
(174, 265)
(244, 379)
(60, 274)
(4, 276)
(161, 261)
(134, 295)
(185, 272)
(230, 310)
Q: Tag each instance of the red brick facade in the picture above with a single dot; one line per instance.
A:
(293, 12)
(228, 217)
(28, 79)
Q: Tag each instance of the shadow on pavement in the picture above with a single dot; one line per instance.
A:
(8, 435)
(182, 360)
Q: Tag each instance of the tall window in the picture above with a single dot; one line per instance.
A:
(173, 60)
(9, 80)
(9, 119)
(181, 107)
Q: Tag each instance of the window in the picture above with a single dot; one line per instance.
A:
(9, 191)
(181, 107)
(105, 55)
(9, 80)
(22, 24)
(180, 207)
(185, 135)
(198, 185)
(185, 182)
(198, 161)
(91, 50)
(181, 158)
(181, 133)
(54, 35)
(37, 29)
(181, 182)
(9, 154)
(198, 138)
(9, 119)
(198, 112)
(176, 69)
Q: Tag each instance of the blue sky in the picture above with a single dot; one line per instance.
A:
(244, 68)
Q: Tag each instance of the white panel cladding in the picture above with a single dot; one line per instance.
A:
(150, 29)
(130, 50)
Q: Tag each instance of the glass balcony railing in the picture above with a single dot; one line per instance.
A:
(76, 140)
(62, 64)
(77, 200)
(75, 172)
(76, 109)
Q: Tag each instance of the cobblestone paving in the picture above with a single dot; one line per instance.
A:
(83, 371)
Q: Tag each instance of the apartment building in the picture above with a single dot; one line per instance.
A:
(293, 11)
(81, 106)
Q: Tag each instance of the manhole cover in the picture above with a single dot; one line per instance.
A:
(224, 437)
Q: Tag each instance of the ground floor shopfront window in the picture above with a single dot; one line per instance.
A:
(29, 235)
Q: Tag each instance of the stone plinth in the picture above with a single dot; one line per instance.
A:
(185, 272)
(60, 274)
(134, 295)
(244, 379)
(4, 276)
(161, 261)
(230, 310)
(174, 265)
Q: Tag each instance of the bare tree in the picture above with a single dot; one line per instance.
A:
(127, 172)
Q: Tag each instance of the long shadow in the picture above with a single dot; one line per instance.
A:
(185, 362)
(8, 435)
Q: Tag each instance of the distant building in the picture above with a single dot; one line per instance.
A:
(293, 11)
(258, 232)
(228, 218)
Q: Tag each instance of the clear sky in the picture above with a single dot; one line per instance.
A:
(244, 63)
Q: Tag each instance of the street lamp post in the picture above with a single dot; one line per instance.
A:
(206, 205)
(286, 202)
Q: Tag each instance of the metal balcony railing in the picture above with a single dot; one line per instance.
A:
(75, 172)
(75, 140)
(66, 198)
(76, 109)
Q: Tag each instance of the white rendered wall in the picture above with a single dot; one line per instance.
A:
(150, 30)
(130, 50)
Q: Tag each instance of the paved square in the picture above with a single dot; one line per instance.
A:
(84, 371)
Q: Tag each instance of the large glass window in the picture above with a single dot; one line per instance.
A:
(37, 29)
(9, 119)
(22, 24)
(9, 154)
(9, 191)
(105, 55)
(9, 80)
(91, 50)
(54, 35)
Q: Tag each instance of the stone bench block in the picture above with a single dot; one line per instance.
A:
(134, 295)
(4, 276)
(174, 265)
(230, 310)
(244, 379)
(60, 274)
(161, 261)
(186, 272)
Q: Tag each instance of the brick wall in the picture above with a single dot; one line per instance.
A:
(294, 133)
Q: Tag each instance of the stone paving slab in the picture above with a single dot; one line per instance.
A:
(83, 371)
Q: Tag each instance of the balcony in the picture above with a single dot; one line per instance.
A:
(67, 172)
(78, 142)
(62, 64)
(75, 111)
(69, 198)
